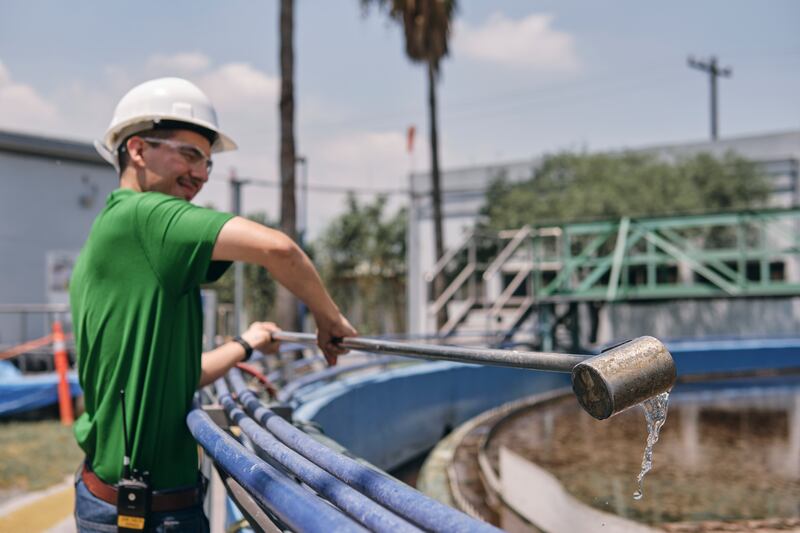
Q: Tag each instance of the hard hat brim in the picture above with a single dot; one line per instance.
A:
(124, 130)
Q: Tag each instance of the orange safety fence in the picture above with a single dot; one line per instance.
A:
(28, 346)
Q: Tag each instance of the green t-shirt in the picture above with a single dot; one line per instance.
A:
(137, 325)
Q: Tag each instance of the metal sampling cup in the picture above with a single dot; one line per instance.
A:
(623, 376)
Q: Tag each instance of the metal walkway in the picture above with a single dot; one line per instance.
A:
(497, 280)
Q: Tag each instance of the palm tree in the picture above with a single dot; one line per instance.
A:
(427, 25)
(286, 303)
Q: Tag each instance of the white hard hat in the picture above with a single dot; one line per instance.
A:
(164, 99)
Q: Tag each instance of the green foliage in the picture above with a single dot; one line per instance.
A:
(259, 287)
(427, 25)
(361, 258)
(578, 186)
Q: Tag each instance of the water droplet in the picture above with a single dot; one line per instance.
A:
(637, 495)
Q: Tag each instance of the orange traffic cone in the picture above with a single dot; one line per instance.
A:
(62, 365)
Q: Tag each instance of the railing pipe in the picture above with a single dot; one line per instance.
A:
(408, 503)
(447, 257)
(360, 508)
(503, 256)
(508, 292)
(293, 505)
(450, 291)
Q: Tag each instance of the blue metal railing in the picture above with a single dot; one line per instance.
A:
(296, 507)
(403, 500)
(352, 502)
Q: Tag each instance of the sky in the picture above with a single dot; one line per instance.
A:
(523, 78)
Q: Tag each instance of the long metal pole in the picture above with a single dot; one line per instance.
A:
(554, 362)
(605, 384)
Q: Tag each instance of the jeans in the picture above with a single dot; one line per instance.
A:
(93, 515)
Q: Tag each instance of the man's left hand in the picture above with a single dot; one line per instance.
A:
(259, 336)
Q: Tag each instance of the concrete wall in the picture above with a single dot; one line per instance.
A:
(751, 317)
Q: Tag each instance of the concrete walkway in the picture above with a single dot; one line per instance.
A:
(48, 510)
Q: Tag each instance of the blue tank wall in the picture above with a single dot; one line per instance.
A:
(392, 417)
(734, 355)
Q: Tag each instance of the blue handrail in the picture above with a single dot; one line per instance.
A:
(296, 507)
(392, 494)
(349, 500)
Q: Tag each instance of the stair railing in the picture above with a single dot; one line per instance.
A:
(467, 274)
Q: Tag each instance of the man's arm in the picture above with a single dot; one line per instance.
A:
(217, 362)
(244, 240)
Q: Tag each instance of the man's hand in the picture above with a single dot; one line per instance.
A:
(259, 336)
(331, 330)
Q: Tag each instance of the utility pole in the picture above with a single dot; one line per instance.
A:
(238, 266)
(302, 234)
(714, 71)
(286, 303)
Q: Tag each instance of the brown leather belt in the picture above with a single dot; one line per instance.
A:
(159, 501)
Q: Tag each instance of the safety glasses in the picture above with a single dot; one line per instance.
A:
(191, 153)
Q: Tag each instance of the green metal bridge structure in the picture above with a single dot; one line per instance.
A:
(499, 280)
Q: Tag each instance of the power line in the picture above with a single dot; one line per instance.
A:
(329, 189)
(713, 72)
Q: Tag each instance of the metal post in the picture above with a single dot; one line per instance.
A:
(472, 258)
(238, 266)
(546, 313)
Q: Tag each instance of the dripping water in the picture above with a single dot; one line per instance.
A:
(655, 412)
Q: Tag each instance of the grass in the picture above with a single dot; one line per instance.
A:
(36, 454)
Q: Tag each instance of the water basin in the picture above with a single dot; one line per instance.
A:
(729, 451)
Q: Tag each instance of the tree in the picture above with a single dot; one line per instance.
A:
(427, 25)
(362, 260)
(575, 186)
(571, 187)
(286, 302)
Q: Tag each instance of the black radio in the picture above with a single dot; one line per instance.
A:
(133, 490)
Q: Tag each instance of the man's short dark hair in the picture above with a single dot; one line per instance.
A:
(122, 152)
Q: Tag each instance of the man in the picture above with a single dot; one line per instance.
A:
(136, 303)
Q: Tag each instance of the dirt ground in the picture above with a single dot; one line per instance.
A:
(35, 455)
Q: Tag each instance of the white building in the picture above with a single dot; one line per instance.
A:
(50, 192)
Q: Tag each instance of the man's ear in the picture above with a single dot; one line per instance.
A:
(135, 148)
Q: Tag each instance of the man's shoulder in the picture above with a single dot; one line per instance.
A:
(157, 201)
(152, 200)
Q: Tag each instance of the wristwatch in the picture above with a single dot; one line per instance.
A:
(248, 350)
